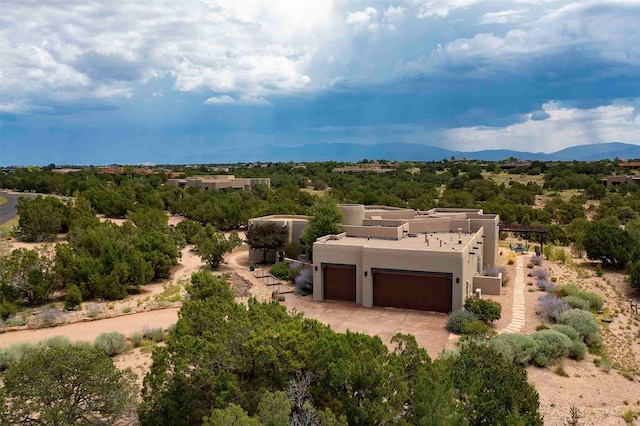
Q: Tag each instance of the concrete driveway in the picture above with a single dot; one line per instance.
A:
(427, 327)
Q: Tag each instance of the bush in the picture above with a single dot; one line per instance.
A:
(280, 270)
(476, 328)
(136, 338)
(493, 271)
(154, 334)
(577, 302)
(552, 345)
(485, 310)
(551, 307)
(111, 343)
(15, 353)
(94, 310)
(72, 298)
(518, 348)
(541, 274)
(578, 348)
(584, 322)
(304, 281)
(595, 301)
(7, 309)
(536, 260)
(511, 259)
(554, 279)
(457, 320)
(546, 285)
(49, 317)
(599, 271)
(294, 270)
(292, 250)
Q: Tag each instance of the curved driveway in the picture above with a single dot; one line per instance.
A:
(8, 210)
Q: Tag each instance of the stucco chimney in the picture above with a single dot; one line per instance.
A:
(459, 235)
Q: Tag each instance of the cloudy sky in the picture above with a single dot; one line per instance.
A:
(97, 82)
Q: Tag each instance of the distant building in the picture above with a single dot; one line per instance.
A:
(363, 168)
(631, 165)
(620, 179)
(122, 171)
(215, 182)
(515, 164)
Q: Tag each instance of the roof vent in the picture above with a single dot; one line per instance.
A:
(412, 235)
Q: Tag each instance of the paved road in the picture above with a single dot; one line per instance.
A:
(8, 210)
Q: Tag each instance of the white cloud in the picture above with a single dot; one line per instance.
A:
(241, 100)
(503, 17)
(564, 127)
(75, 50)
(442, 8)
(366, 19)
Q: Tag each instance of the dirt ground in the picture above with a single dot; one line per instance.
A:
(602, 395)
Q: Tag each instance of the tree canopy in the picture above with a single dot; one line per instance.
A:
(267, 236)
(325, 219)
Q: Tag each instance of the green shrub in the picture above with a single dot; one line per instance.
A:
(56, 342)
(518, 348)
(595, 301)
(136, 338)
(154, 334)
(486, 310)
(72, 298)
(292, 250)
(577, 302)
(554, 279)
(15, 353)
(476, 328)
(584, 322)
(294, 270)
(552, 345)
(280, 271)
(457, 320)
(578, 349)
(599, 271)
(7, 309)
(111, 343)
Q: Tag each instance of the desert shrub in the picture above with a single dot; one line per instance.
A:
(72, 298)
(280, 270)
(136, 338)
(94, 310)
(554, 279)
(493, 271)
(304, 281)
(48, 317)
(56, 342)
(584, 322)
(14, 354)
(577, 302)
(551, 307)
(546, 285)
(476, 328)
(292, 250)
(294, 270)
(154, 334)
(111, 343)
(7, 309)
(457, 320)
(599, 271)
(541, 274)
(511, 259)
(595, 301)
(518, 348)
(578, 348)
(552, 345)
(485, 310)
(536, 260)
(530, 265)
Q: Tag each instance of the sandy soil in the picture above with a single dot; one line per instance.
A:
(601, 396)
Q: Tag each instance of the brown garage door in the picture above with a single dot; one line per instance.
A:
(412, 290)
(339, 282)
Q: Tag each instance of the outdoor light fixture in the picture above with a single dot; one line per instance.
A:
(366, 273)
(315, 268)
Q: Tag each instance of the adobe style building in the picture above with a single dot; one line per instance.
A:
(215, 182)
(620, 179)
(393, 257)
(295, 223)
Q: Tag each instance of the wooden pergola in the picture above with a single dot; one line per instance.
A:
(526, 229)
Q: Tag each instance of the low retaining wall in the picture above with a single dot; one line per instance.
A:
(488, 285)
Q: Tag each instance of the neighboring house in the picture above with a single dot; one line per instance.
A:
(363, 168)
(401, 258)
(295, 223)
(631, 165)
(620, 179)
(215, 182)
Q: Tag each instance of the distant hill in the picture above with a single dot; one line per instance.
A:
(403, 151)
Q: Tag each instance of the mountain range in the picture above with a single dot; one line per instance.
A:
(401, 151)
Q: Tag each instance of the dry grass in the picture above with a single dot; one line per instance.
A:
(500, 178)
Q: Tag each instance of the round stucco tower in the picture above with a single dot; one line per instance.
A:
(352, 214)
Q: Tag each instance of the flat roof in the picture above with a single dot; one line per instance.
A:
(449, 242)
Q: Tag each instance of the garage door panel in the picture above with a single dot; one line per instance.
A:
(339, 282)
(408, 290)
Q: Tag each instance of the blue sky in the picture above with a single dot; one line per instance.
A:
(97, 82)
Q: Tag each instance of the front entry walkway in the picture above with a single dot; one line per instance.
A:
(427, 327)
(517, 319)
